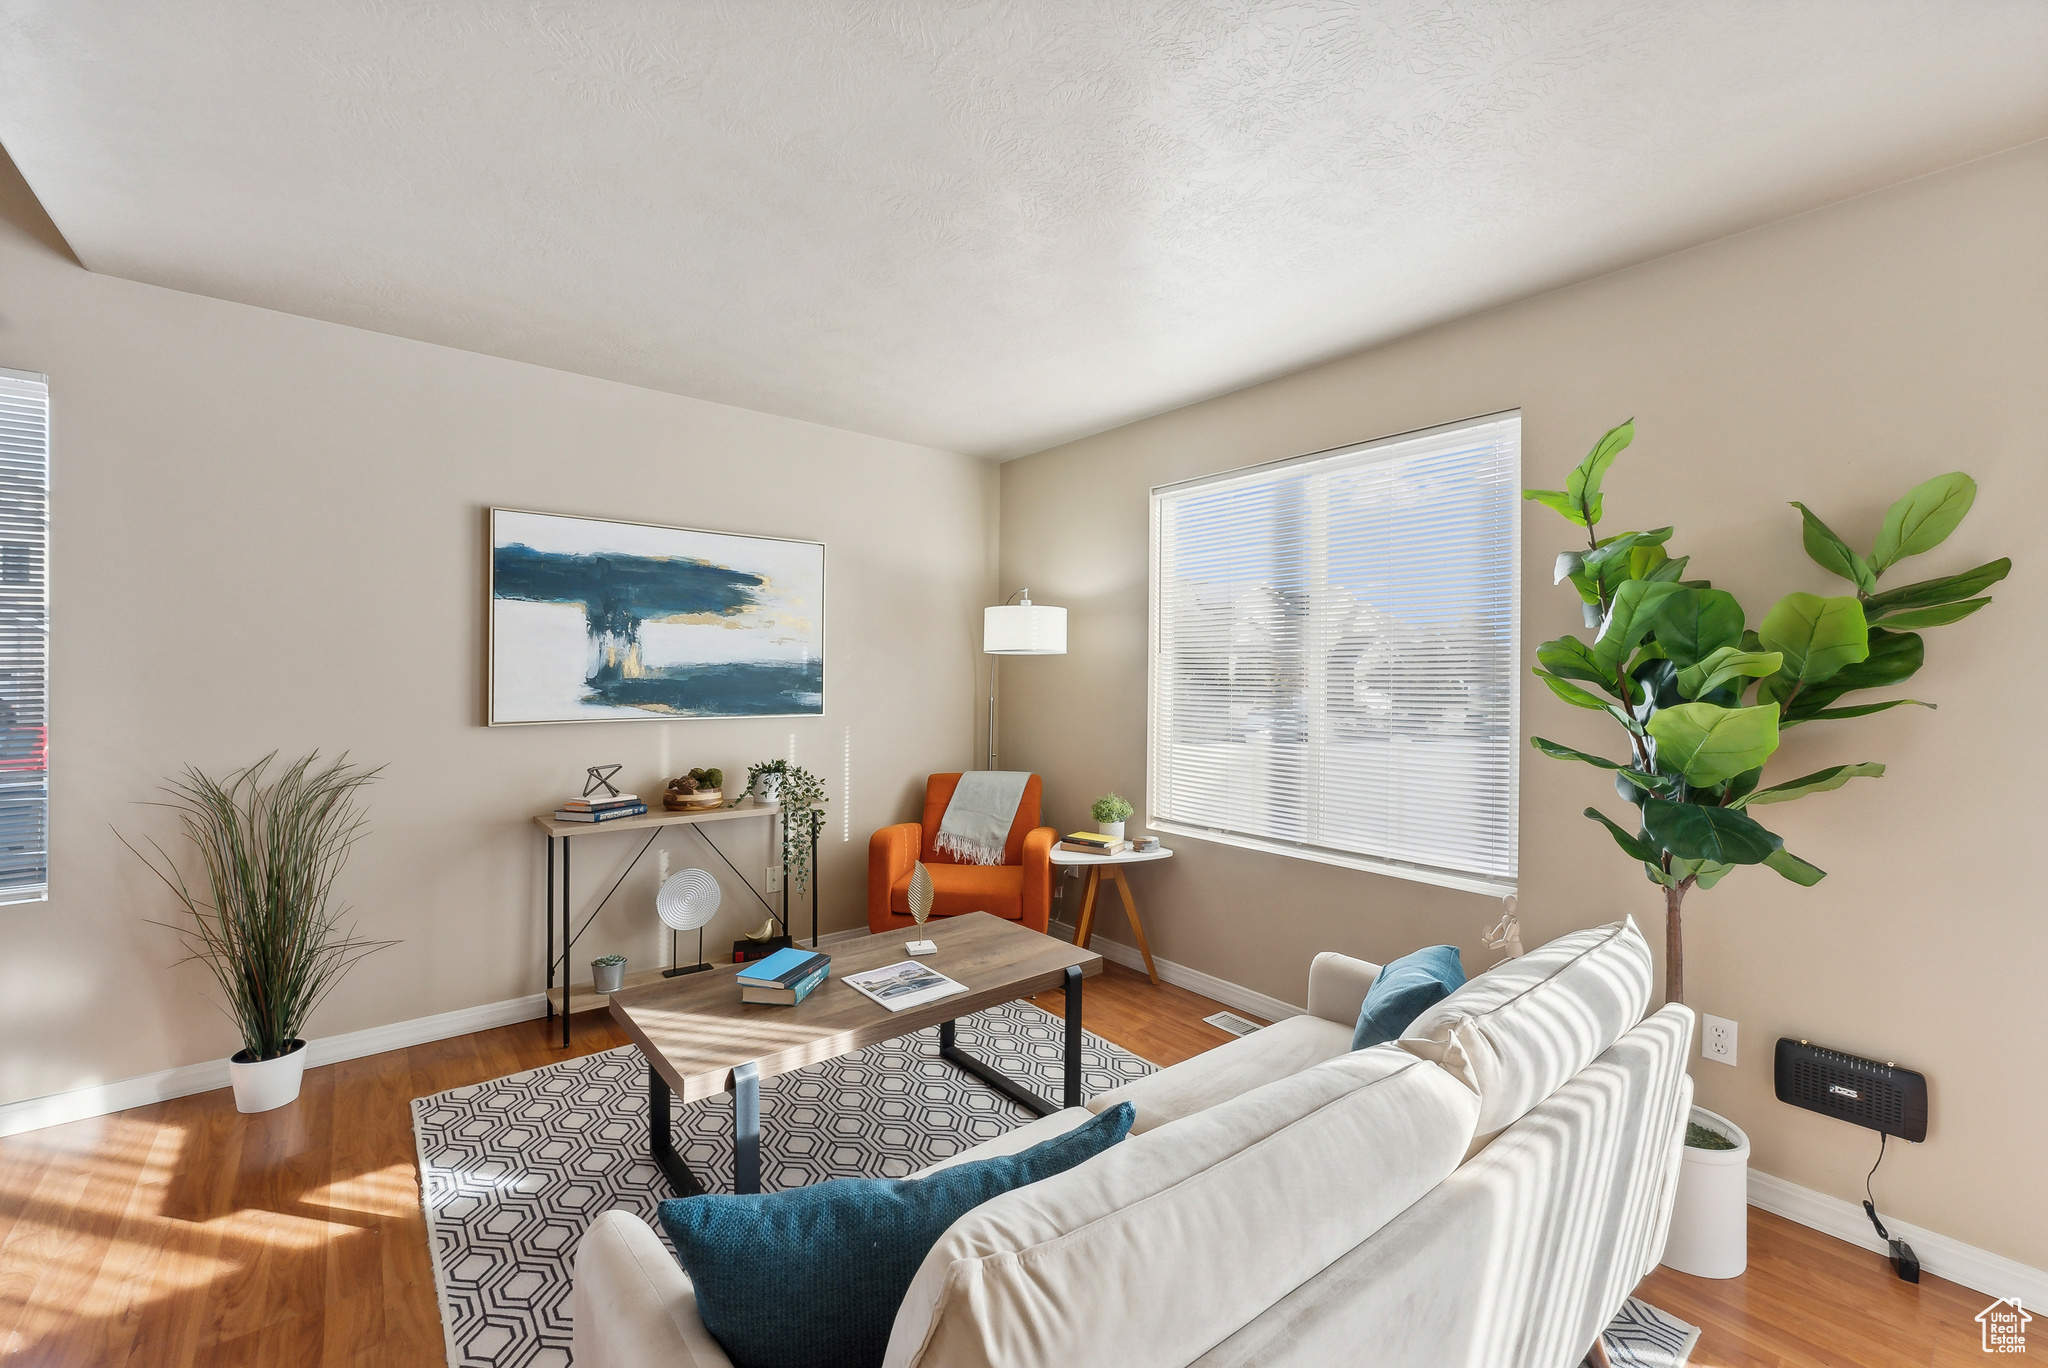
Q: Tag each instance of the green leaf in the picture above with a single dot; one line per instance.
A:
(1729, 662)
(1820, 781)
(1570, 693)
(1817, 636)
(1582, 486)
(1832, 554)
(1692, 624)
(1567, 657)
(1554, 750)
(1709, 744)
(1923, 519)
(1617, 549)
(1669, 571)
(1705, 873)
(1937, 616)
(1894, 657)
(1795, 869)
(1741, 786)
(1569, 563)
(1589, 591)
(1629, 619)
(1556, 499)
(1633, 846)
(1645, 561)
(1860, 710)
(1722, 835)
(1947, 589)
(1663, 785)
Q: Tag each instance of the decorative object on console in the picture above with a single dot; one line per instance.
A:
(1506, 934)
(920, 909)
(1672, 659)
(267, 929)
(686, 902)
(607, 973)
(593, 619)
(600, 810)
(696, 791)
(1023, 628)
(1110, 812)
(600, 777)
(801, 796)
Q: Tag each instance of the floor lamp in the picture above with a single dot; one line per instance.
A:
(1024, 628)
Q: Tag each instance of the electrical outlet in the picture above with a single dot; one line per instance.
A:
(1717, 1039)
(774, 879)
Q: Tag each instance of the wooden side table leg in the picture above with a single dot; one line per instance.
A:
(1084, 925)
(1123, 886)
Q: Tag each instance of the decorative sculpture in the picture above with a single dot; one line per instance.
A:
(686, 902)
(601, 778)
(1507, 935)
(921, 908)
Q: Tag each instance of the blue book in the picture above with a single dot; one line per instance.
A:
(782, 968)
(772, 995)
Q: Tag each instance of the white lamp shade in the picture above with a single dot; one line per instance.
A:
(1024, 629)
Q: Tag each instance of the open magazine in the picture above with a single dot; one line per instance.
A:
(905, 985)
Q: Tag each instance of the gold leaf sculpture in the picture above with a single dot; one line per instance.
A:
(920, 896)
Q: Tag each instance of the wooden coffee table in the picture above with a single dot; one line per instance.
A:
(700, 1039)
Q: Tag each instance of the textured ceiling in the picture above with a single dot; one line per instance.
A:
(986, 227)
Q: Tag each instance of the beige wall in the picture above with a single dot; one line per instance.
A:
(1836, 358)
(268, 533)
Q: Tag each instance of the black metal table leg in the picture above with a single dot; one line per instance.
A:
(549, 922)
(661, 1140)
(566, 844)
(1008, 1087)
(1073, 1069)
(746, 1129)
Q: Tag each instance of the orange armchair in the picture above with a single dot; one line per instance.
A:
(1019, 889)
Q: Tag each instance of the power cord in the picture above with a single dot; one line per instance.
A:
(1904, 1262)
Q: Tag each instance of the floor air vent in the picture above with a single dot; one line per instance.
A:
(1231, 1022)
(1850, 1088)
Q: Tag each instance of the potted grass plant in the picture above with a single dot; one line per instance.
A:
(263, 921)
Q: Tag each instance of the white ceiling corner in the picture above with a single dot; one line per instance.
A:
(982, 227)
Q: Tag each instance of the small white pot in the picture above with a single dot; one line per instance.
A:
(263, 1085)
(767, 790)
(1710, 1216)
(1113, 830)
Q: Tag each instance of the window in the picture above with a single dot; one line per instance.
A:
(1334, 658)
(24, 637)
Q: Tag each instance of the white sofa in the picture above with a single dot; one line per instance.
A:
(1484, 1193)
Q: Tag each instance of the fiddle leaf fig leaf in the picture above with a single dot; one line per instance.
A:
(1553, 749)
(1559, 500)
(1634, 846)
(1937, 616)
(1832, 554)
(1570, 693)
(1629, 620)
(1709, 744)
(1692, 624)
(1817, 636)
(1722, 835)
(1928, 593)
(1582, 486)
(1729, 662)
(1617, 550)
(1645, 561)
(1570, 658)
(1669, 571)
(1794, 868)
(1860, 710)
(1569, 563)
(1820, 781)
(1663, 785)
(1923, 519)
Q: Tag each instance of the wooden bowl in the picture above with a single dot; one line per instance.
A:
(703, 800)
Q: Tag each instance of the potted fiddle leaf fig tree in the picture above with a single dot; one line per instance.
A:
(1701, 697)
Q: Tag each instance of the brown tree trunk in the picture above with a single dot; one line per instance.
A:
(1674, 947)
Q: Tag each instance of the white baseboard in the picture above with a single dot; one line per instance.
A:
(33, 1113)
(1194, 980)
(1992, 1274)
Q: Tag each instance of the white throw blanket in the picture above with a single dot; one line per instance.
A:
(977, 823)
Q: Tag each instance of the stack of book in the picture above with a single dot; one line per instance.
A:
(785, 977)
(1093, 843)
(600, 809)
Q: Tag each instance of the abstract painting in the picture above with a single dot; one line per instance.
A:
(593, 620)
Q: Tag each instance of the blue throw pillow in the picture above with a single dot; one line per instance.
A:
(1405, 989)
(812, 1277)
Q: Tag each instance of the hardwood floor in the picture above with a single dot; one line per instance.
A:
(187, 1233)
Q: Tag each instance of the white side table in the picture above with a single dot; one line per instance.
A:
(1098, 868)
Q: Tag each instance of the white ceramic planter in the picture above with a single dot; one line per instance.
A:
(1113, 830)
(767, 790)
(266, 1084)
(1710, 1217)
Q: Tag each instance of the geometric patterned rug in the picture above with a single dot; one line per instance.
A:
(512, 1170)
(1644, 1337)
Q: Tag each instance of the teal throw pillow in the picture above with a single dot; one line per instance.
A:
(1404, 990)
(812, 1277)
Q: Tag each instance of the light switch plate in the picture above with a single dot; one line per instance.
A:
(1717, 1039)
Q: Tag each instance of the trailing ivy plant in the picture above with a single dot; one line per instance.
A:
(1702, 698)
(802, 795)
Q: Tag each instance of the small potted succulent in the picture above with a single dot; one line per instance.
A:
(607, 973)
(1109, 812)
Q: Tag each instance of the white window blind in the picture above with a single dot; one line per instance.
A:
(24, 637)
(1334, 655)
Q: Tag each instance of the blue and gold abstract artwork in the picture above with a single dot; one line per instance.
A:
(594, 620)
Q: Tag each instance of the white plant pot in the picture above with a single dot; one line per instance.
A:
(1113, 830)
(263, 1085)
(767, 790)
(1710, 1216)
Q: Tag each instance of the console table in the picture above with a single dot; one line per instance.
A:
(652, 823)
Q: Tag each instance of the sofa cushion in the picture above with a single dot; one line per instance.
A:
(1403, 991)
(1516, 1033)
(1163, 1246)
(1269, 1053)
(851, 1244)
